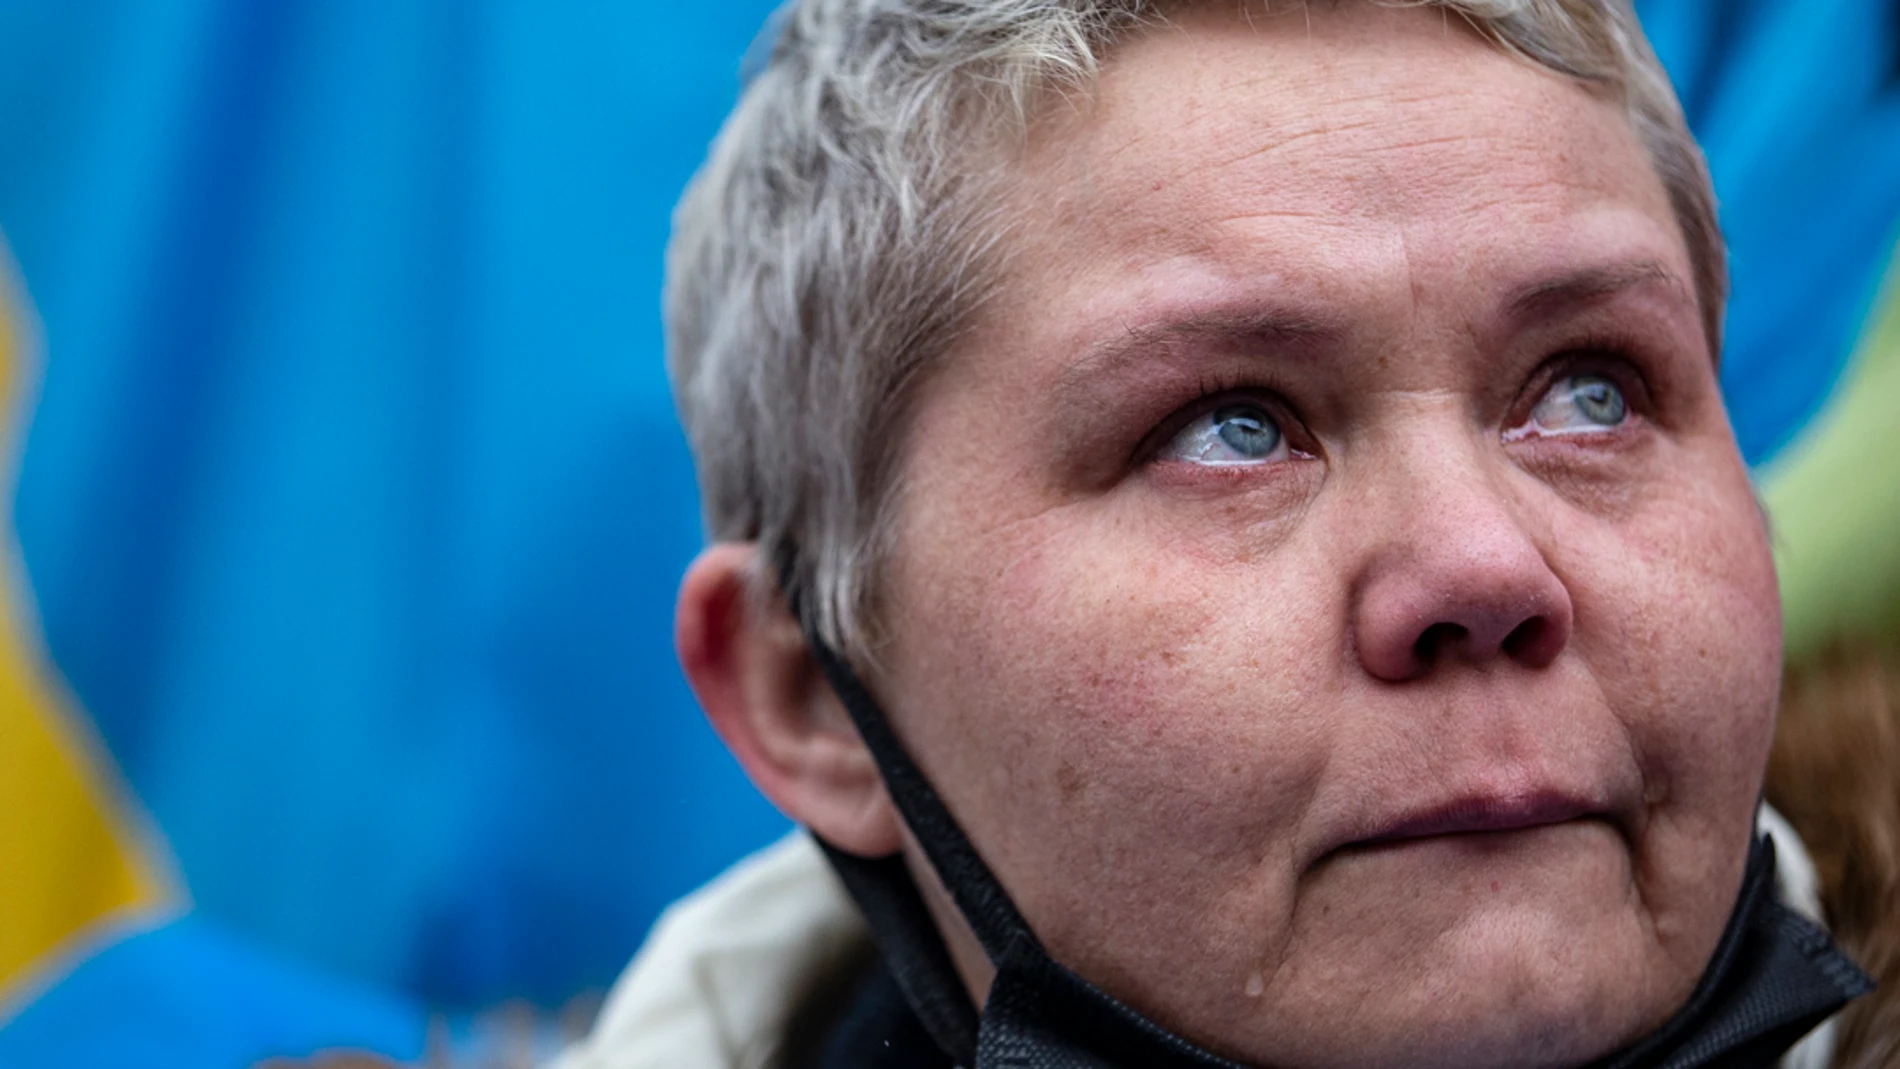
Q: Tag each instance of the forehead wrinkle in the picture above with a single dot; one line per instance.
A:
(1292, 79)
(1340, 117)
(1136, 189)
(1288, 71)
(1294, 126)
(1162, 147)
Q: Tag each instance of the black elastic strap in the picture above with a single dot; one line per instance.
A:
(880, 1031)
(1773, 978)
(991, 914)
(912, 950)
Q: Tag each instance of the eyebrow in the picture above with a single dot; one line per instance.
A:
(1277, 327)
(1295, 329)
(1591, 285)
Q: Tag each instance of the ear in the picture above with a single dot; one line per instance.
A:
(747, 662)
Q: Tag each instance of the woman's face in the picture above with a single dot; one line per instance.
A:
(1328, 591)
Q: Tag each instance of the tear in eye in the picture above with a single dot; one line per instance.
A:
(1231, 435)
(1578, 404)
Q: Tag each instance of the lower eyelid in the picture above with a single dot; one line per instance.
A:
(1531, 429)
(1632, 426)
(1273, 486)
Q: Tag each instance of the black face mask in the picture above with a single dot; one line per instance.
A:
(1774, 976)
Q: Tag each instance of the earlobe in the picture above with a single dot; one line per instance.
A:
(748, 664)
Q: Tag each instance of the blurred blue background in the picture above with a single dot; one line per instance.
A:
(354, 502)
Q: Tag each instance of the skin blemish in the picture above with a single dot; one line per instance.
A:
(1256, 985)
(1069, 781)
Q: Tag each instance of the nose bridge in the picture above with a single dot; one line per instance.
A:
(1454, 496)
(1454, 569)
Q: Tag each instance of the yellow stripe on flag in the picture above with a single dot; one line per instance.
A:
(70, 859)
(1835, 500)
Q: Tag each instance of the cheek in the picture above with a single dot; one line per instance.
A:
(1115, 714)
(1706, 636)
(1680, 621)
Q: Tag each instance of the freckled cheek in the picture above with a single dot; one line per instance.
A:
(1138, 711)
(1683, 616)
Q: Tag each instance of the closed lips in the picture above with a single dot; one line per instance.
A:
(1468, 815)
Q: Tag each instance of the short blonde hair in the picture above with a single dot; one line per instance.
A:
(839, 236)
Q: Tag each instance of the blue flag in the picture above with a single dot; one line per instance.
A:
(353, 504)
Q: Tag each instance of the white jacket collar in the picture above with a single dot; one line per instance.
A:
(726, 969)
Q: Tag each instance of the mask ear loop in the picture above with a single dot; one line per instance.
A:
(883, 888)
(1032, 993)
(974, 888)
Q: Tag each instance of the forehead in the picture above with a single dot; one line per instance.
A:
(1333, 149)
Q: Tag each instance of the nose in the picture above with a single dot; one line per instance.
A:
(1456, 577)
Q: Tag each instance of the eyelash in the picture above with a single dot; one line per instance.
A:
(1613, 356)
(1213, 391)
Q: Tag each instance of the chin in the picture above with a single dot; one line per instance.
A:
(1522, 1003)
(1543, 993)
(1530, 952)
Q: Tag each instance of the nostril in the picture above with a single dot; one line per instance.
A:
(1472, 609)
(1523, 641)
(1539, 640)
(1433, 641)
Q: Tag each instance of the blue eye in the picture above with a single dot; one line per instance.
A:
(1231, 435)
(1578, 404)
